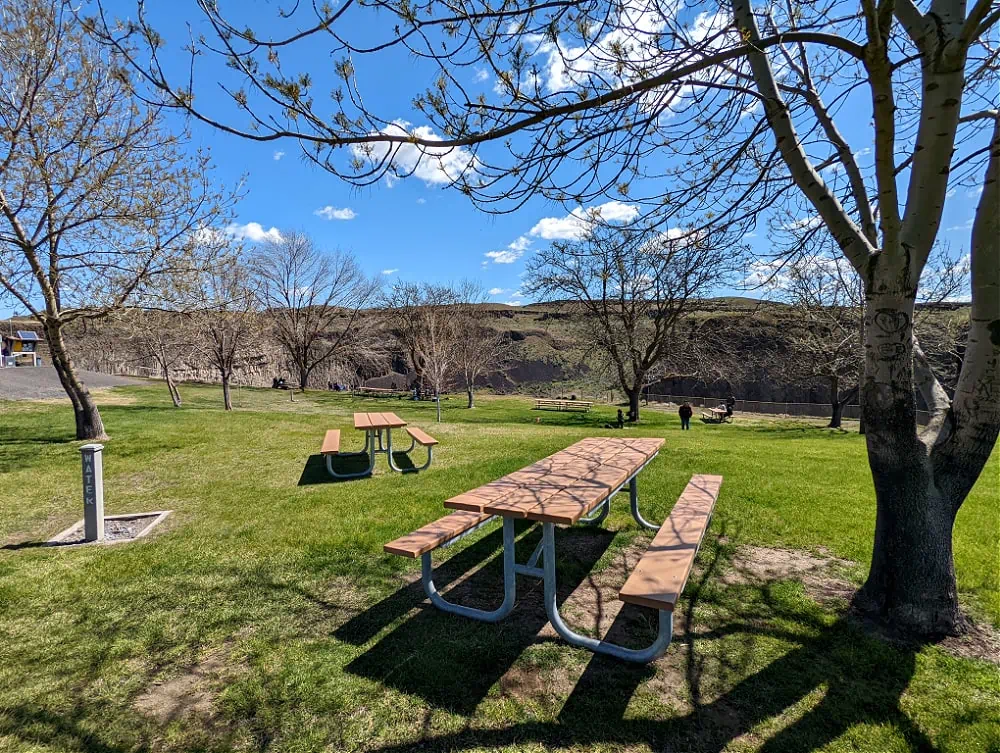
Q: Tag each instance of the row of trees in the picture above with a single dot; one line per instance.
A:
(324, 315)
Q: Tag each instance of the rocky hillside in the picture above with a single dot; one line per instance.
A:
(724, 346)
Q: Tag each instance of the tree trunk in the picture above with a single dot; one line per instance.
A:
(836, 407)
(303, 377)
(634, 395)
(175, 396)
(437, 401)
(88, 418)
(227, 397)
(911, 583)
(472, 397)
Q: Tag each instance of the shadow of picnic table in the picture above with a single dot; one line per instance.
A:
(851, 679)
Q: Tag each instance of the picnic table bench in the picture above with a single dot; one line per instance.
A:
(556, 404)
(573, 486)
(373, 425)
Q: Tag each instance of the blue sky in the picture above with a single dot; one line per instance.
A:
(415, 228)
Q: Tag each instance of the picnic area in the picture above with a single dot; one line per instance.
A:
(269, 612)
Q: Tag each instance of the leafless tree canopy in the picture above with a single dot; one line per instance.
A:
(228, 319)
(99, 202)
(314, 301)
(164, 338)
(634, 286)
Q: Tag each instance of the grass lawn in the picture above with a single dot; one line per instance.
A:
(263, 615)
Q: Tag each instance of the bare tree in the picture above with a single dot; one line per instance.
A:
(165, 338)
(711, 119)
(481, 350)
(315, 302)
(634, 286)
(428, 321)
(228, 320)
(98, 200)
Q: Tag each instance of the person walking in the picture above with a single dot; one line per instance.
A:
(685, 413)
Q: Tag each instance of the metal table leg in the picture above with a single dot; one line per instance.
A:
(633, 494)
(642, 656)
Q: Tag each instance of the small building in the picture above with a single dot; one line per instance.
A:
(20, 349)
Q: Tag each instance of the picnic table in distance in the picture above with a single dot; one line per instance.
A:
(378, 439)
(573, 486)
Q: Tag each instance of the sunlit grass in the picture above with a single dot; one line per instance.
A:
(275, 578)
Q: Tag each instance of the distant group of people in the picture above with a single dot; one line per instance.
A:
(336, 386)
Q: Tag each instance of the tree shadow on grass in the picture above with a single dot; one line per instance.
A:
(834, 678)
(452, 661)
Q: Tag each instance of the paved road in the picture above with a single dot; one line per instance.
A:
(27, 383)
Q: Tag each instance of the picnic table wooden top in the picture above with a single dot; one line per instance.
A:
(565, 486)
(365, 421)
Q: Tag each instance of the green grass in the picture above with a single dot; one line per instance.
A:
(268, 583)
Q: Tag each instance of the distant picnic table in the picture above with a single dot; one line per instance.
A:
(378, 439)
(574, 486)
(716, 416)
(379, 392)
(559, 404)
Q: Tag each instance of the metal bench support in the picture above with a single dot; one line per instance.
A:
(369, 451)
(509, 583)
(659, 646)
(413, 443)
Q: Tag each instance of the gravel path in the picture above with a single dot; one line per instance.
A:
(27, 383)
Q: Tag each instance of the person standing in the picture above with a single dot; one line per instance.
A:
(685, 413)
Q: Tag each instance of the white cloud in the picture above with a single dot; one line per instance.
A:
(749, 236)
(333, 213)
(421, 200)
(577, 223)
(514, 303)
(390, 271)
(253, 231)
(278, 155)
(481, 75)
(966, 226)
(433, 165)
(521, 244)
(950, 193)
(506, 256)
(496, 291)
(975, 193)
(803, 223)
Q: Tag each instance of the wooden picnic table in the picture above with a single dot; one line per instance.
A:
(572, 486)
(378, 439)
(377, 421)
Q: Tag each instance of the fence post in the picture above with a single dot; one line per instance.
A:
(93, 492)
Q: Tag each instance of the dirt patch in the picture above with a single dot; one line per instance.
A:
(820, 574)
(982, 641)
(188, 694)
